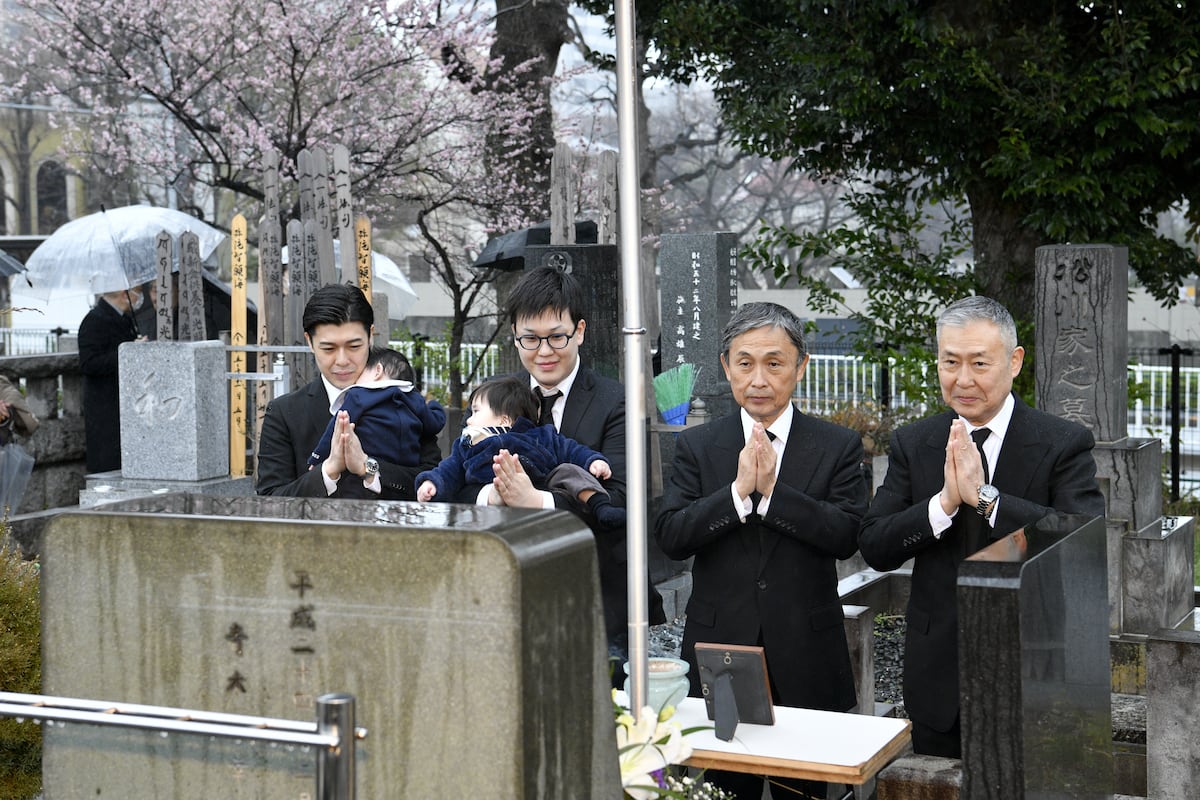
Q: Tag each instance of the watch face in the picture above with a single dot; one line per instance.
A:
(988, 493)
(372, 466)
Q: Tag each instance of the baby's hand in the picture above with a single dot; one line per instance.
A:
(600, 469)
(426, 491)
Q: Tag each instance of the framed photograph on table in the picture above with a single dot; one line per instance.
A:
(735, 687)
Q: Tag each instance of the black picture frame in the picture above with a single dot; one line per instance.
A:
(742, 668)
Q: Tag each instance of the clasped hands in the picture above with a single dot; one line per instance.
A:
(756, 464)
(345, 450)
(512, 486)
(962, 473)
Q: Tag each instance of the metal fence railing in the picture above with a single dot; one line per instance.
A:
(334, 733)
(433, 361)
(28, 341)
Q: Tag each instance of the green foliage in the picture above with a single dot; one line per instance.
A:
(906, 285)
(20, 671)
(1056, 121)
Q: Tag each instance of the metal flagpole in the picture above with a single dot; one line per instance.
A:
(630, 234)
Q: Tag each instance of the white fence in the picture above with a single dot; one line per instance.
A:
(433, 361)
(837, 380)
(831, 381)
(28, 341)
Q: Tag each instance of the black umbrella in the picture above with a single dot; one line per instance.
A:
(507, 251)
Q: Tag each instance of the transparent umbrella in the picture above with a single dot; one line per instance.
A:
(110, 250)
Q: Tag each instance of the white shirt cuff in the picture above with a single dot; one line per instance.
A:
(741, 505)
(484, 494)
(330, 485)
(374, 484)
(939, 520)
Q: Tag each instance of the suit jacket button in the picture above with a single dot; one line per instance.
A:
(762, 584)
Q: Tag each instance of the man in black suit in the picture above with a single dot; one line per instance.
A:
(959, 480)
(546, 311)
(767, 499)
(338, 321)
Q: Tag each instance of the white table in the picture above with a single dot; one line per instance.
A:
(815, 745)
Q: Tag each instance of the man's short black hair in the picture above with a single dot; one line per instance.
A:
(395, 364)
(508, 397)
(337, 304)
(545, 289)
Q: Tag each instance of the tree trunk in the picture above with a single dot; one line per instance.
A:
(1004, 253)
(524, 31)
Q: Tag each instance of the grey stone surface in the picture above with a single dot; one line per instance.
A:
(1129, 472)
(1082, 335)
(916, 777)
(1033, 664)
(174, 410)
(1158, 575)
(1172, 707)
(110, 487)
(598, 271)
(859, 622)
(698, 280)
(471, 637)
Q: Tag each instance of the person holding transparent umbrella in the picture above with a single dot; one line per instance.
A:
(112, 321)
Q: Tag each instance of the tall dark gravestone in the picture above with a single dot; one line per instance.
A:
(596, 268)
(1033, 664)
(699, 293)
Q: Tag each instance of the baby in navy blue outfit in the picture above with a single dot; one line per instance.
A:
(389, 416)
(502, 410)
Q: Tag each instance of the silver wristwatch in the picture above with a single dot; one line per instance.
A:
(372, 469)
(988, 495)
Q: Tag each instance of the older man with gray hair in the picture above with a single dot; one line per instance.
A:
(767, 499)
(955, 482)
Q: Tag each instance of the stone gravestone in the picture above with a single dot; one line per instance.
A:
(471, 638)
(1033, 664)
(1172, 707)
(1081, 310)
(174, 410)
(174, 423)
(698, 277)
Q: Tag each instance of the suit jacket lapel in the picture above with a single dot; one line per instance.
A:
(1019, 453)
(577, 401)
(799, 461)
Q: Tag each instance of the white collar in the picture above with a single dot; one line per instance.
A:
(564, 386)
(781, 427)
(998, 424)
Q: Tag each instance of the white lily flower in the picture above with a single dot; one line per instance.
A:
(645, 747)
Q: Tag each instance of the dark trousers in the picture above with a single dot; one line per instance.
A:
(929, 742)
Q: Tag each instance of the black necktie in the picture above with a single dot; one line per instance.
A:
(978, 531)
(980, 436)
(546, 417)
(755, 496)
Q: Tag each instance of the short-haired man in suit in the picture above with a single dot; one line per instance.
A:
(955, 482)
(767, 499)
(338, 321)
(546, 311)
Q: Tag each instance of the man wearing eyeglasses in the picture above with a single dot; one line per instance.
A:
(546, 311)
